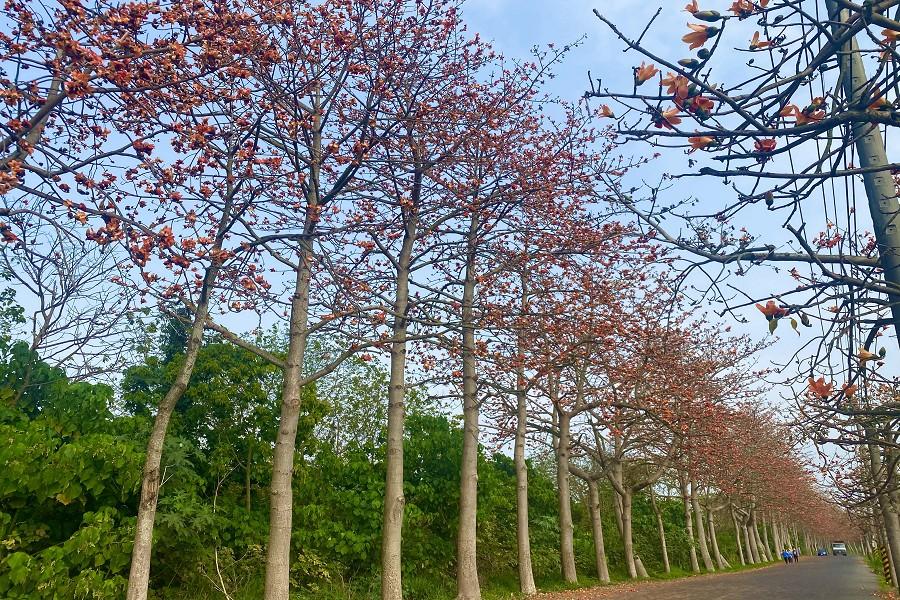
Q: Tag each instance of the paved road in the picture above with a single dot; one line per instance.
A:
(813, 578)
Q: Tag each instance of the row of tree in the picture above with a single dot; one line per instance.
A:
(368, 173)
(68, 526)
(791, 104)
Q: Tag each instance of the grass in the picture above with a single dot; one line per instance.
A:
(887, 591)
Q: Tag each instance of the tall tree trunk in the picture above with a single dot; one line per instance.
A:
(786, 536)
(281, 498)
(783, 534)
(688, 523)
(701, 529)
(776, 537)
(523, 538)
(628, 522)
(617, 477)
(751, 544)
(617, 510)
(880, 189)
(394, 500)
(888, 516)
(627, 537)
(887, 549)
(765, 538)
(661, 530)
(566, 528)
(597, 528)
(760, 546)
(468, 587)
(139, 573)
(711, 527)
(737, 534)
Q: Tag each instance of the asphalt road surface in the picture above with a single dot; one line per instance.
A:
(813, 578)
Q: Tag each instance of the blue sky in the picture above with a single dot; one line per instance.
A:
(514, 27)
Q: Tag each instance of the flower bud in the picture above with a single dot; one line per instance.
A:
(710, 16)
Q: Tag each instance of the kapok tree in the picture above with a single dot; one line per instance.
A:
(522, 177)
(190, 256)
(787, 103)
(114, 77)
(653, 395)
(354, 110)
(530, 243)
(579, 312)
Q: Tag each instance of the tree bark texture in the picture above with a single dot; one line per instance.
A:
(281, 499)
(394, 500)
(523, 538)
(139, 573)
(688, 524)
(661, 530)
(597, 528)
(737, 535)
(468, 587)
(566, 527)
(701, 529)
(721, 562)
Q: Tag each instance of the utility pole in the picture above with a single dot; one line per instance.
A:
(882, 196)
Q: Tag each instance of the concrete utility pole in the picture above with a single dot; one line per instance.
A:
(883, 205)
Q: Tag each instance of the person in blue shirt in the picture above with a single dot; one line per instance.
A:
(787, 556)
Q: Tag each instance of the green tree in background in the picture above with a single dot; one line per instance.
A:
(71, 461)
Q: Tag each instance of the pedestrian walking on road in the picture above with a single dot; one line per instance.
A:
(786, 556)
(796, 554)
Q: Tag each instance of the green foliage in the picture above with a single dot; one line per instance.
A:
(70, 468)
(66, 473)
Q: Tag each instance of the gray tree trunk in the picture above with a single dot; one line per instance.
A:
(887, 549)
(765, 538)
(631, 561)
(566, 527)
(751, 545)
(394, 500)
(616, 475)
(597, 528)
(661, 530)
(776, 537)
(523, 537)
(760, 546)
(888, 516)
(281, 499)
(139, 573)
(639, 567)
(786, 536)
(711, 527)
(701, 529)
(737, 534)
(523, 540)
(688, 524)
(880, 188)
(468, 587)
